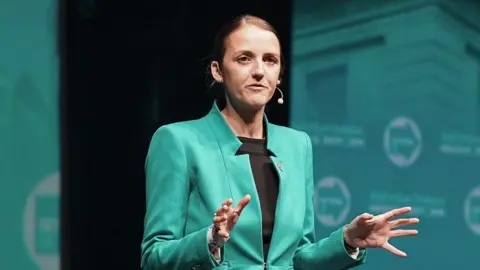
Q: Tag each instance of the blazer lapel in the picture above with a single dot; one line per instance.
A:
(274, 146)
(240, 181)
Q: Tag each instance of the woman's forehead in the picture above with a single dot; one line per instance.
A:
(253, 38)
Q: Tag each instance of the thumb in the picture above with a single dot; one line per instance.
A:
(365, 217)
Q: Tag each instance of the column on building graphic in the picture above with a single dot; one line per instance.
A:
(5, 104)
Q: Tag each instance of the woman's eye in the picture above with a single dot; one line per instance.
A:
(243, 59)
(271, 60)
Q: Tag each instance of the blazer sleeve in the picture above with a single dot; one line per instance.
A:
(327, 253)
(164, 244)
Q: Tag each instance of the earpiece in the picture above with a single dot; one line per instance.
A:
(280, 100)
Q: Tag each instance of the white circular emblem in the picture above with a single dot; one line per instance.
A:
(402, 141)
(472, 210)
(332, 201)
(42, 222)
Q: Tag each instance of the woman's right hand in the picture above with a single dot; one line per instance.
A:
(226, 217)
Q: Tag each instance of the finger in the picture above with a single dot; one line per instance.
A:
(220, 211)
(242, 203)
(224, 208)
(223, 233)
(397, 233)
(394, 250)
(397, 212)
(220, 219)
(227, 202)
(404, 222)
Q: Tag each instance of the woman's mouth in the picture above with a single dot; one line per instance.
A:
(257, 87)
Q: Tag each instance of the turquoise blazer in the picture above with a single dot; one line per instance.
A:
(191, 168)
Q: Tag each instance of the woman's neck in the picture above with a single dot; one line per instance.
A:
(244, 123)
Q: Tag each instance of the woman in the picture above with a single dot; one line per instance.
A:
(233, 191)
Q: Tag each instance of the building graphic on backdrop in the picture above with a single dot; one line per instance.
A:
(389, 92)
(402, 58)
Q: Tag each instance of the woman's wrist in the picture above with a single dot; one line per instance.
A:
(349, 247)
(214, 242)
(347, 241)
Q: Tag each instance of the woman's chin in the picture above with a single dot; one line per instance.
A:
(256, 103)
(253, 102)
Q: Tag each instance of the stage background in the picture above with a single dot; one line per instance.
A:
(29, 141)
(127, 69)
(389, 92)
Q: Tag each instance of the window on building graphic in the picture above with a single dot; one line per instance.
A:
(474, 53)
(327, 95)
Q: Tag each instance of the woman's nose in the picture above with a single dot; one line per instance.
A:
(258, 70)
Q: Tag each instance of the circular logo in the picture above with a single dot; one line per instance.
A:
(42, 222)
(332, 201)
(402, 141)
(472, 210)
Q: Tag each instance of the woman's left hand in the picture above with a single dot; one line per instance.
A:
(367, 231)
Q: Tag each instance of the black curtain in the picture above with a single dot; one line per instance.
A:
(129, 67)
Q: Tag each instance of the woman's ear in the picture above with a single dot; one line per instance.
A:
(216, 72)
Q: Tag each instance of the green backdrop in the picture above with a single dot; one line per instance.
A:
(389, 92)
(29, 139)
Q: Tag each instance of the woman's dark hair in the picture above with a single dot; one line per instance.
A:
(219, 44)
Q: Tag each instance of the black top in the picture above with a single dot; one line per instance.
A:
(266, 181)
